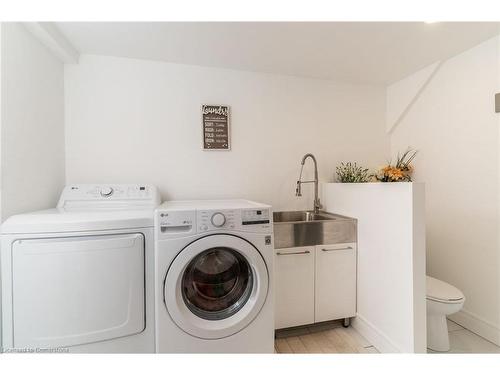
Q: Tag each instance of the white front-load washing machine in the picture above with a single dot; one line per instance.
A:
(79, 277)
(214, 277)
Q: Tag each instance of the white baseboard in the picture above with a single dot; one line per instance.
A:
(479, 326)
(378, 339)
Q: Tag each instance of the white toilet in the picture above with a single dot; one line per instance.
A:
(442, 299)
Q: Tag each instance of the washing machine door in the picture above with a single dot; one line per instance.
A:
(216, 286)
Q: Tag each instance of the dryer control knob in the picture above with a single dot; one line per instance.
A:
(218, 219)
(106, 191)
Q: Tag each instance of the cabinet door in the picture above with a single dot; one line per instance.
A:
(335, 284)
(294, 286)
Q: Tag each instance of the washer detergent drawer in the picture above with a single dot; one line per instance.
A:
(77, 290)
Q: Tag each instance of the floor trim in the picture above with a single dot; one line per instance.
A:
(378, 339)
(479, 326)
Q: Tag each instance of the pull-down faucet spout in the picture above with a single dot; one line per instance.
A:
(298, 189)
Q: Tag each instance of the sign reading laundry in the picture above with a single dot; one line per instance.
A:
(215, 127)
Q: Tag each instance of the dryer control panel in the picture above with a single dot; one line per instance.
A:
(109, 196)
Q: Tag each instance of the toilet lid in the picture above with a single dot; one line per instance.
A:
(440, 291)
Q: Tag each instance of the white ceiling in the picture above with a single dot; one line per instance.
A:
(358, 52)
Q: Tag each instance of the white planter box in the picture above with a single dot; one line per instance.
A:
(391, 310)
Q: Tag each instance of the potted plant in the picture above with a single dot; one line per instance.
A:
(401, 171)
(352, 173)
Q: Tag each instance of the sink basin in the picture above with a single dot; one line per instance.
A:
(297, 216)
(305, 228)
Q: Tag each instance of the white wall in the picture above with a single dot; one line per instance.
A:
(391, 309)
(32, 123)
(453, 125)
(133, 120)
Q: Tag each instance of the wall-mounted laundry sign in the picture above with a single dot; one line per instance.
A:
(215, 127)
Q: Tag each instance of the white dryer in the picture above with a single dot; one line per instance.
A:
(214, 277)
(79, 277)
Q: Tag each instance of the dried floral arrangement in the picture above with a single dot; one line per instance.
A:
(399, 172)
(352, 173)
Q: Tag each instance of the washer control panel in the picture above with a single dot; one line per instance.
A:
(218, 219)
(212, 220)
(177, 219)
(243, 219)
(255, 216)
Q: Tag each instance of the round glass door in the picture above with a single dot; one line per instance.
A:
(217, 283)
(216, 286)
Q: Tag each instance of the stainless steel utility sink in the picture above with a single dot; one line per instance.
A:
(298, 216)
(306, 228)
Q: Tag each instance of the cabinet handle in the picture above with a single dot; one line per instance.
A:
(342, 248)
(295, 253)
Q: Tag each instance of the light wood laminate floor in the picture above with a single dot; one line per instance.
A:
(331, 337)
(465, 341)
(328, 337)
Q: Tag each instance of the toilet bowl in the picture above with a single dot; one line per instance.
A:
(442, 299)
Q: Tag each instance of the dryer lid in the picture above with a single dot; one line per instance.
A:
(90, 207)
(59, 221)
(440, 291)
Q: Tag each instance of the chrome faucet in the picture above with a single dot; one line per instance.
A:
(298, 190)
